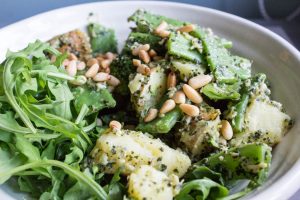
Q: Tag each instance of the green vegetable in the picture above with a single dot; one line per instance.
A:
(200, 172)
(121, 68)
(250, 161)
(142, 38)
(180, 45)
(240, 109)
(161, 124)
(146, 22)
(225, 67)
(102, 39)
(201, 189)
(221, 91)
(187, 69)
(94, 100)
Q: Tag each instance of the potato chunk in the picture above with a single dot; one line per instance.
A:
(131, 149)
(148, 183)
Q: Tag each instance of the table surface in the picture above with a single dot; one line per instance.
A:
(288, 30)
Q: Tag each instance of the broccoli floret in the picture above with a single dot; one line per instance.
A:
(121, 68)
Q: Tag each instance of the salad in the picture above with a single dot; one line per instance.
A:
(174, 115)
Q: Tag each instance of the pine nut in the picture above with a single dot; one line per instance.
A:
(91, 62)
(115, 125)
(113, 81)
(199, 81)
(189, 109)
(71, 68)
(192, 94)
(164, 34)
(72, 56)
(107, 70)
(105, 63)
(53, 59)
(167, 106)
(80, 65)
(179, 97)
(101, 76)
(65, 62)
(144, 56)
(152, 53)
(80, 80)
(137, 49)
(100, 59)
(187, 28)
(171, 82)
(92, 71)
(143, 69)
(110, 56)
(161, 27)
(99, 122)
(226, 130)
(136, 62)
(152, 114)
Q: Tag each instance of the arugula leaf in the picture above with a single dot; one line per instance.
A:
(63, 95)
(9, 123)
(27, 149)
(201, 189)
(95, 100)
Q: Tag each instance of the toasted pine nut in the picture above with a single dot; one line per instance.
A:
(152, 114)
(80, 80)
(226, 130)
(161, 27)
(80, 65)
(199, 81)
(71, 68)
(187, 28)
(136, 62)
(137, 49)
(101, 76)
(72, 56)
(92, 71)
(156, 58)
(171, 82)
(100, 59)
(152, 53)
(143, 69)
(65, 62)
(113, 81)
(164, 33)
(105, 63)
(110, 56)
(192, 94)
(144, 56)
(99, 122)
(91, 62)
(53, 58)
(115, 125)
(167, 106)
(179, 97)
(107, 70)
(189, 109)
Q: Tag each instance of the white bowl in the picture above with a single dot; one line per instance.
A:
(270, 54)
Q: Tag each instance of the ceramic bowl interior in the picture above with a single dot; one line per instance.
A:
(270, 54)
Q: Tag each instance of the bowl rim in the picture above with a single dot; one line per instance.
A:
(289, 182)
